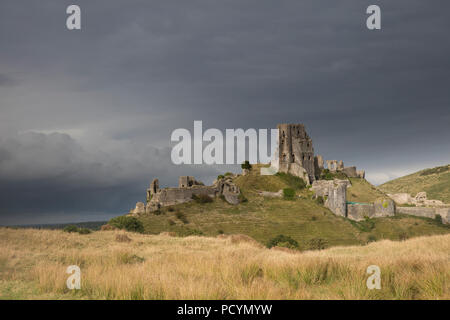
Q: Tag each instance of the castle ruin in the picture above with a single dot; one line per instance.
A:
(188, 188)
(295, 155)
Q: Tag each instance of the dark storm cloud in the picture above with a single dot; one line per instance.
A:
(139, 69)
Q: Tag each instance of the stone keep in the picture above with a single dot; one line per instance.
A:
(295, 151)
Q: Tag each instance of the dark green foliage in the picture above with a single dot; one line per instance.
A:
(371, 238)
(185, 232)
(220, 176)
(84, 231)
(220, 231)
(246, 165)
(282, 240)
(365, 226)
(228, 174)
(288, 193)
(180, 216)
(328, 175)
(438, 219)
(294, 182)
(202, 198)
(70, 228)
(242, 198)
(320, 201)
(128, 223)
(317, 244)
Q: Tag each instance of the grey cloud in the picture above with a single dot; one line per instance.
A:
(138, 70)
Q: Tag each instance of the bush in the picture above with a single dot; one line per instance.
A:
(171, 222)
(220, 176)
(220, 231)
(185, 232)
(317, 244)
(282, 241)
(320, 201)
(288, 193)
(84, 231)
(228, 174)
(242, 198)
(371, 238)
(70, 228)
(202, 198)
(180, 216)
(246, 165)
(171, 209)
(158, 212)
(438, 219)
(128, 223)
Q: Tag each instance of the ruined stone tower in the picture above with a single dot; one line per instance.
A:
(296, 152)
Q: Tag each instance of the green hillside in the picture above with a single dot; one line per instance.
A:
(435, 182)
(303, 219)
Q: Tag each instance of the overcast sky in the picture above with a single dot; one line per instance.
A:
(86, 116)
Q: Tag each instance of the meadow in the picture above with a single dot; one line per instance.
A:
(123, 265)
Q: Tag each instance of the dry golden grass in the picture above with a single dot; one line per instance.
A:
(33, 265)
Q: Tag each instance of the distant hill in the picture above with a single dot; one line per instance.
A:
(303, 219)
(435, 182)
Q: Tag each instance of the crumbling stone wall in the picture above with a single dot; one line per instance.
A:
(427, 212)
(188, 187)
(334, 193)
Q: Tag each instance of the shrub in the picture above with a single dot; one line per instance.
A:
(371, 238)
(242, 198)
(185, 232)
(70, 228)
(171, 222)
(220, 231)
(202, 198)
(288, 193)
(128, 223)
(84, 231)
(317, 244)
(282, 240)
(246, 165)
(320, 201)
(438, 219)
(171, 209)
(313, 218)
(180, 216)
(220, 176)
(228, 174)
(158, 212)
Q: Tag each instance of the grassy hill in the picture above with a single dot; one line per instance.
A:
(435, 182)
(303, 219)
(33, 265)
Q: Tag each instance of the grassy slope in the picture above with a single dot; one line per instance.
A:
(302, 219)
(435, 182)
(33, 265)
